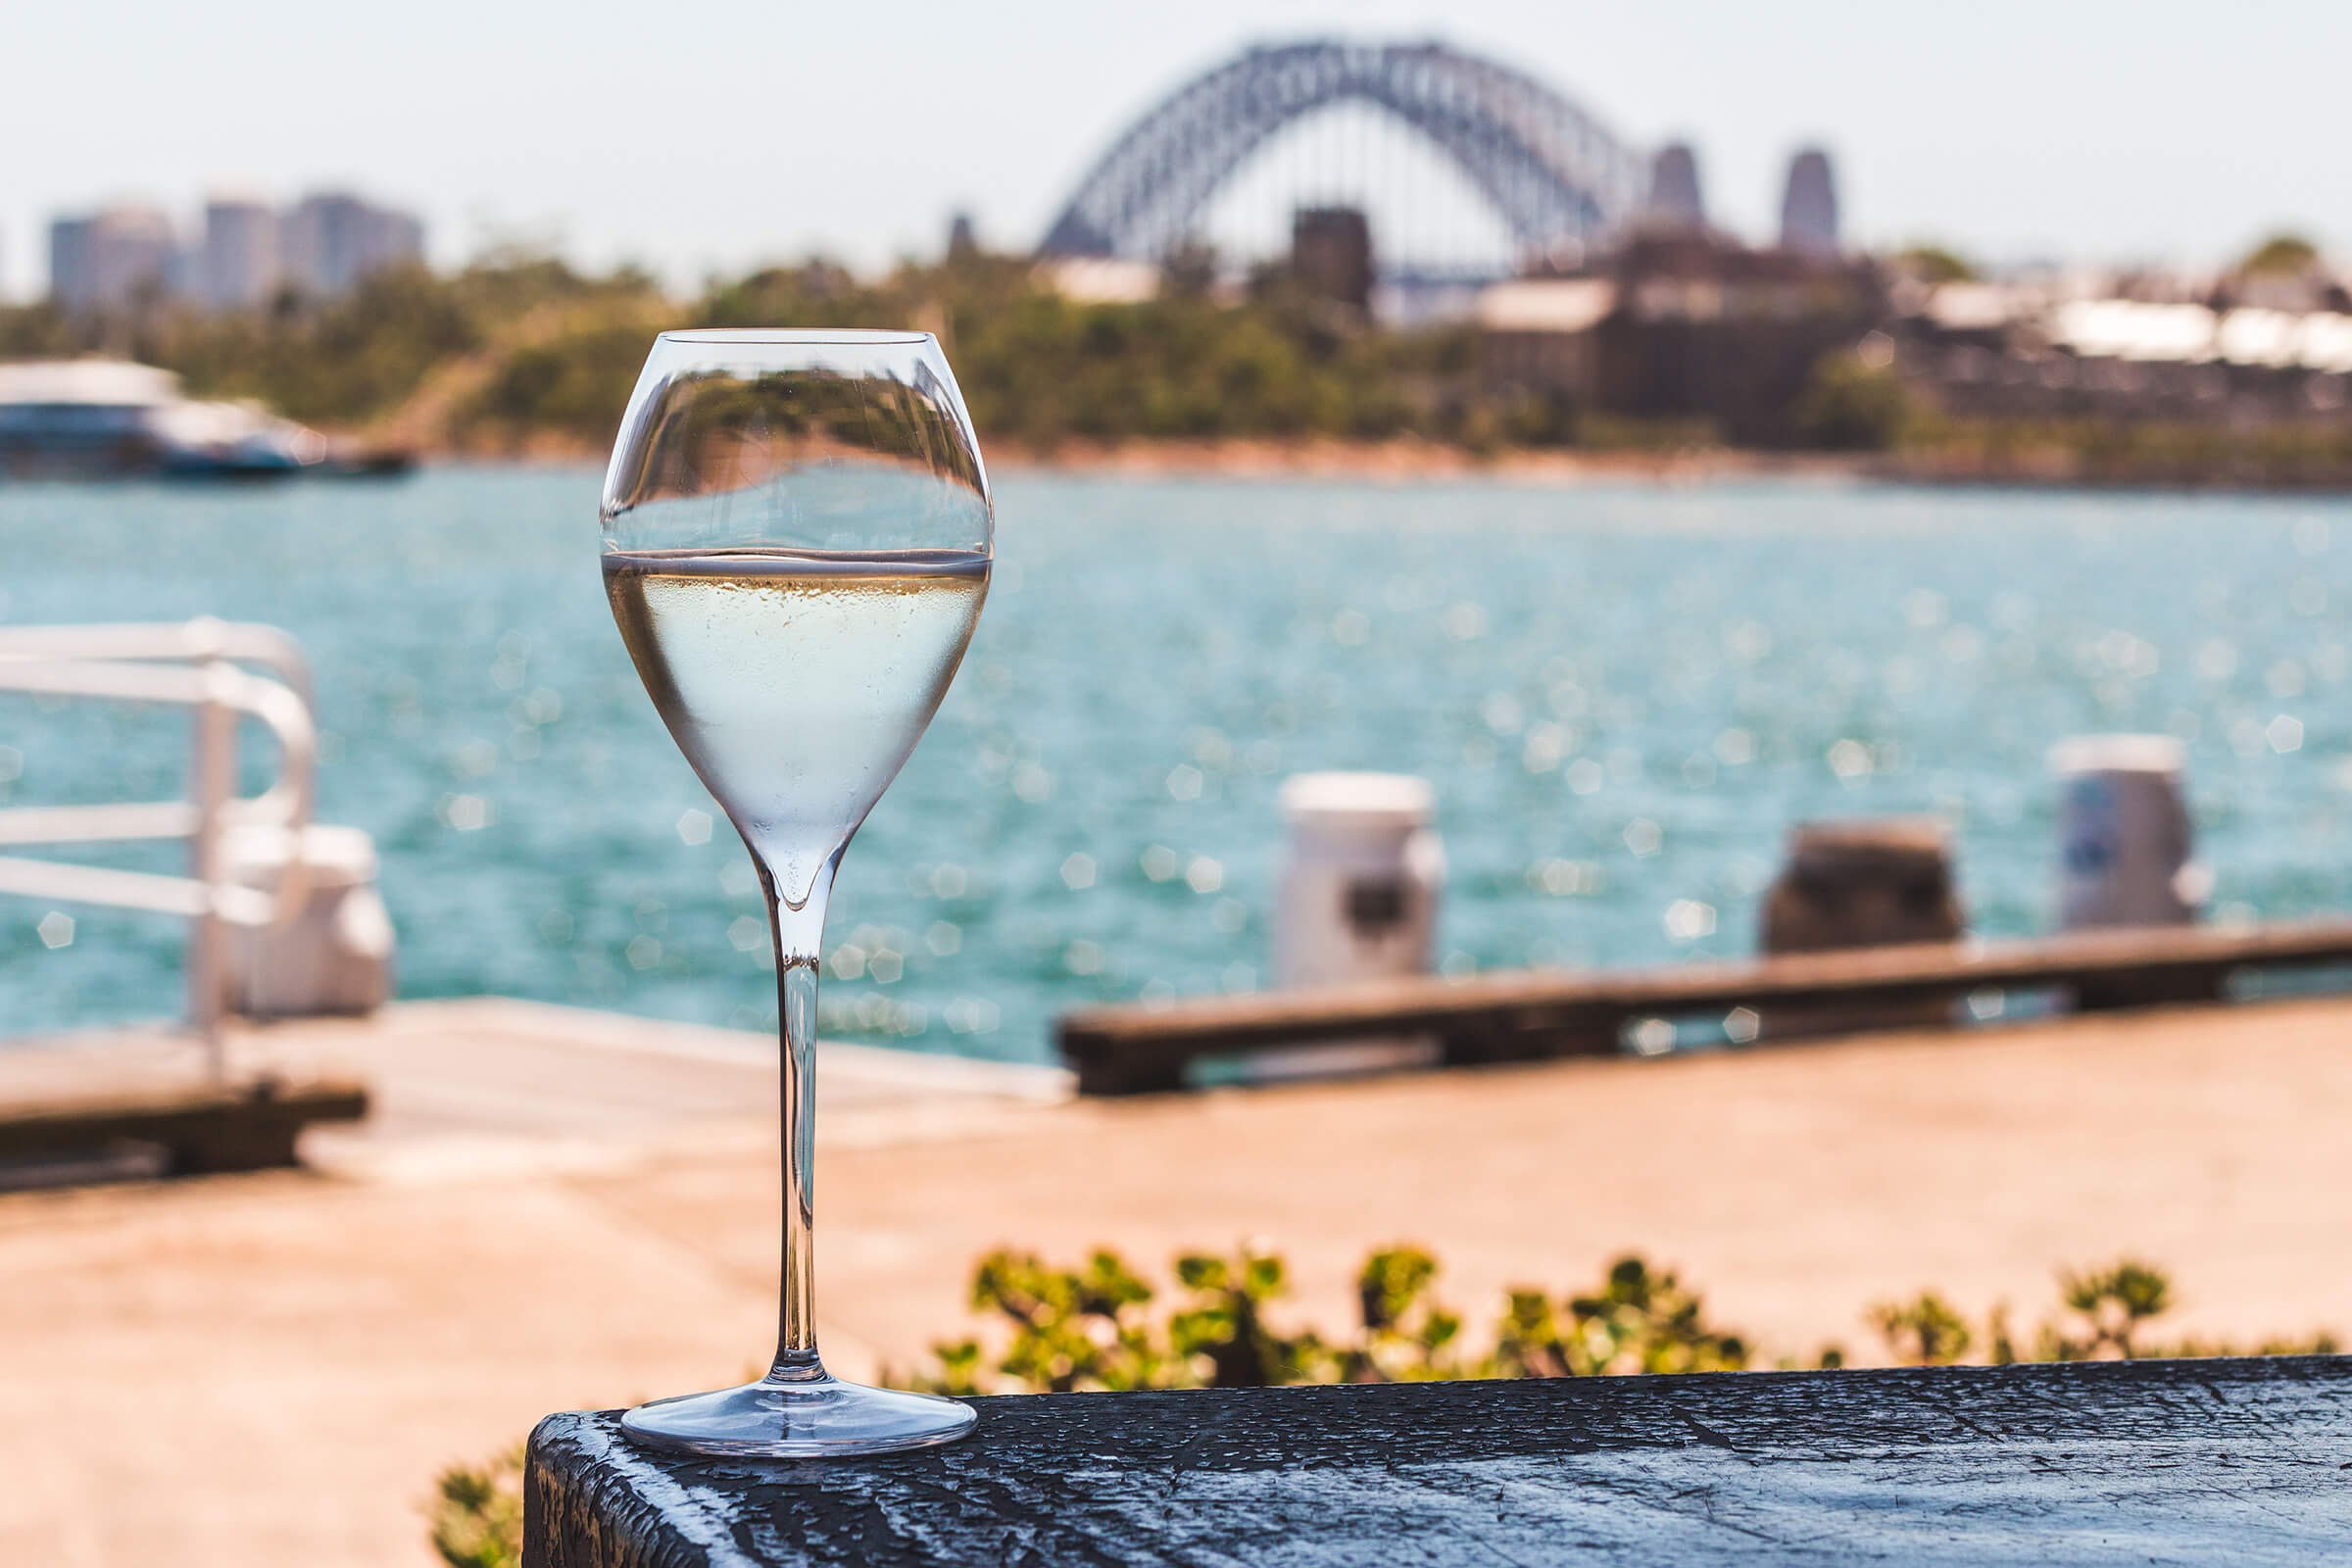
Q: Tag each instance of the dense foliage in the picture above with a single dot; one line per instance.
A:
(1093, 1327)
(2103, 1316)
(2310, 454)
(360, 359)
(1935, 264)
(2285, 253)
(519, 354)
(517, 351)
(1853, 406)
(1038, 368)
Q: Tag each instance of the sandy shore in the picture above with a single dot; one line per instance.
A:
(267, 1371)
(1406, 461)
(1378, 462)
(1423, 462)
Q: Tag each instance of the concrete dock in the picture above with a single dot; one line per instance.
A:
(557, 1210)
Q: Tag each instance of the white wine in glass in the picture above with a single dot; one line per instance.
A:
(797, 535)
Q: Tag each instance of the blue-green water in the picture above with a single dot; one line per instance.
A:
(1623, 695)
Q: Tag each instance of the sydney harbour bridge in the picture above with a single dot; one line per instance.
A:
(1547, 176)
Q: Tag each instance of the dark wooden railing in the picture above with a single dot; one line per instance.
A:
(1517, 1017)
(2225, 1462)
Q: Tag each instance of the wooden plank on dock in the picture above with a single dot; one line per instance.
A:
(2095, 1463)
(199, 1130)
(1526, 1015)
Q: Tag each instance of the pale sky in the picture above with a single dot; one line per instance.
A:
(695, 135)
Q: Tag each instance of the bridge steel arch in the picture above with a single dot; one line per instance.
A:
(1551, 169)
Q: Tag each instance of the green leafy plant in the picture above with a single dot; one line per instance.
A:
(1640, 1320)
(2110, 1305)
(2104, 1314)
(1925, 1331)
(1223, 1339)
(1094, 1327)
(1090, 1328)
(476, 1513)
(1072, 1329)
(1405, 1334)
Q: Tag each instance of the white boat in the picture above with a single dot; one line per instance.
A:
(102, 417)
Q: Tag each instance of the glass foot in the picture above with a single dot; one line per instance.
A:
(812, 1418)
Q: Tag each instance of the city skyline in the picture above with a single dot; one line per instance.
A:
(238, 254)
(2026, 133)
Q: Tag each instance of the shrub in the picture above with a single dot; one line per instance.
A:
(1090, 1328)
(477, 1513)
(1640, 1320)
(2103, 1315)
(1853, 406)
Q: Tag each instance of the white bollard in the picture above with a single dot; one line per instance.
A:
(333, 958)
(1358, 902)
(2124, 836)
(1359, 892)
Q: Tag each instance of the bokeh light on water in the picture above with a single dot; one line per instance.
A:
(1624, 696)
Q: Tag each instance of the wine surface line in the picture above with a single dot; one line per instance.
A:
(795, 682)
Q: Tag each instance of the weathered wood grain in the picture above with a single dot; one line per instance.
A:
(2238, 1461)
(1510, 1016)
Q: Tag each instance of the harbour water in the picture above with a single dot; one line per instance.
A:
(1624, 696)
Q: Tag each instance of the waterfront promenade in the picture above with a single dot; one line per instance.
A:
(557, 1210)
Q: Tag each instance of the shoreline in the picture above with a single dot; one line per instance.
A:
(1407, 462)
(1404, 462)
(1260, 458)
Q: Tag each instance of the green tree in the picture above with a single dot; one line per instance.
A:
(574, 385)
(1935, 264)
(2284, 252)
(1853, 405)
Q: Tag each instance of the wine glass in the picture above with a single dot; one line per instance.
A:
(797, 535)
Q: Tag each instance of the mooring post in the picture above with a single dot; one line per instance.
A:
(212, 769)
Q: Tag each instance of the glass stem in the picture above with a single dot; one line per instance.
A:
(800, 934)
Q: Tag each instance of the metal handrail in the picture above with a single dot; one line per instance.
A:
(239, 641)
(129, 663)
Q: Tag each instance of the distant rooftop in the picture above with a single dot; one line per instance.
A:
(2128, 330)
(1545, 304)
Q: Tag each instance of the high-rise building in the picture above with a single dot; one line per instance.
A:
(246, 252)
(1809, 205)
(237, 262)
(70, 262)
(1331, 251)
(119, 258)
(1674, 195)
(332, 240)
